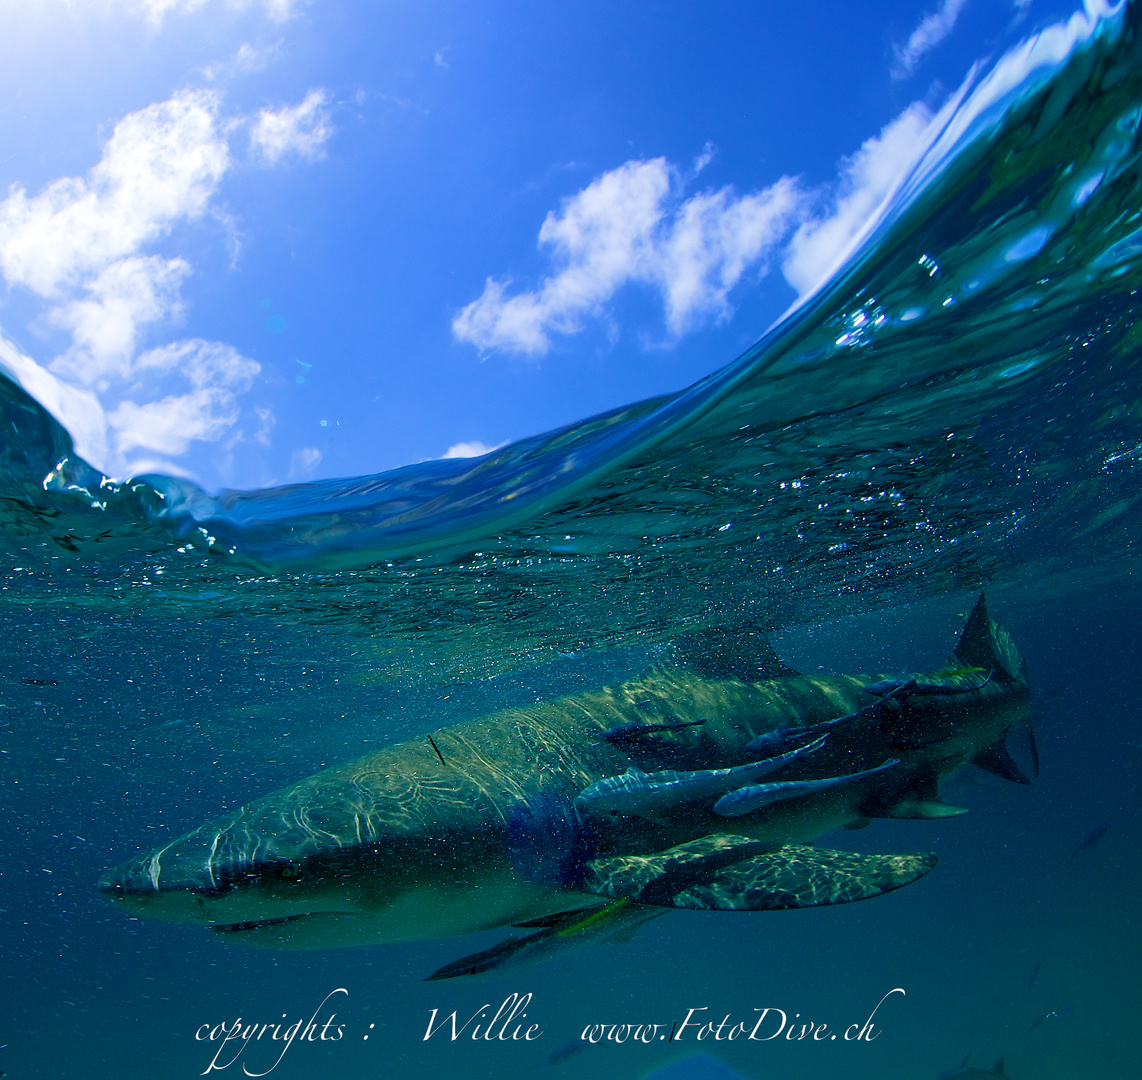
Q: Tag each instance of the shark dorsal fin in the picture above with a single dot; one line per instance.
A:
(729, 652)
(997, 1068)
(988, 647)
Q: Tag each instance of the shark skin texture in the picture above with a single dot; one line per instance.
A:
(542, 817)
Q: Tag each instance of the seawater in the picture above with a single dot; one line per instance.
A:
(959, 407)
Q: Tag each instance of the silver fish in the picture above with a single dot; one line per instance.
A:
(912, 686)
(648, 794)
(747, 799)
(785, 734)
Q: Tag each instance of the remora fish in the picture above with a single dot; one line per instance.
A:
(784, 736)
(942, 682)
(481, 829)
(627, 734)
(653, 794)
(748, 799)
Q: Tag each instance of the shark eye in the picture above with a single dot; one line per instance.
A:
(289, 871)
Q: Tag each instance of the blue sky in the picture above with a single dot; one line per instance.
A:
(264, 241)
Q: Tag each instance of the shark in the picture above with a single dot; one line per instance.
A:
(539, 819)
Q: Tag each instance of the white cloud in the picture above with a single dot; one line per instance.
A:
(78, 245)
(266, 422)
(202, 363)
(715, 238)
(279, 10)
(299, 129)
(931, 31)
(246, 60)
(155, 11)
(217, 374)
(303, 462)
(867, 179)
(475, 448)
(104, 327)
(167, 426)
(126, 440)
(160, 166)
(630, 225)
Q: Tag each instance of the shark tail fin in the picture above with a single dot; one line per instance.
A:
(985, 645)
(1033, 747)
(997, 760)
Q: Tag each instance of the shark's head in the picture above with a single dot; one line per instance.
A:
(276, 868)
(322, 864)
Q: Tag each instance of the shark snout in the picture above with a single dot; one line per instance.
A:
(154, 885)
(205, 861)
(181, 881)
(241, 868)
(128, 878)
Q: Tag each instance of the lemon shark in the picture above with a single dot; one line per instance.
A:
(581, 817)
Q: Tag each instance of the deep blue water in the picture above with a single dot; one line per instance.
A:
(958, 408)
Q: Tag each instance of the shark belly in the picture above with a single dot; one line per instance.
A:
(424, 911)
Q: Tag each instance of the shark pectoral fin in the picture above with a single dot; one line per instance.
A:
(658, 879)
(922, 810)
(997, 759)
(733, 873)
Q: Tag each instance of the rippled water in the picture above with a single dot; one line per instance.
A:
(959, 406)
